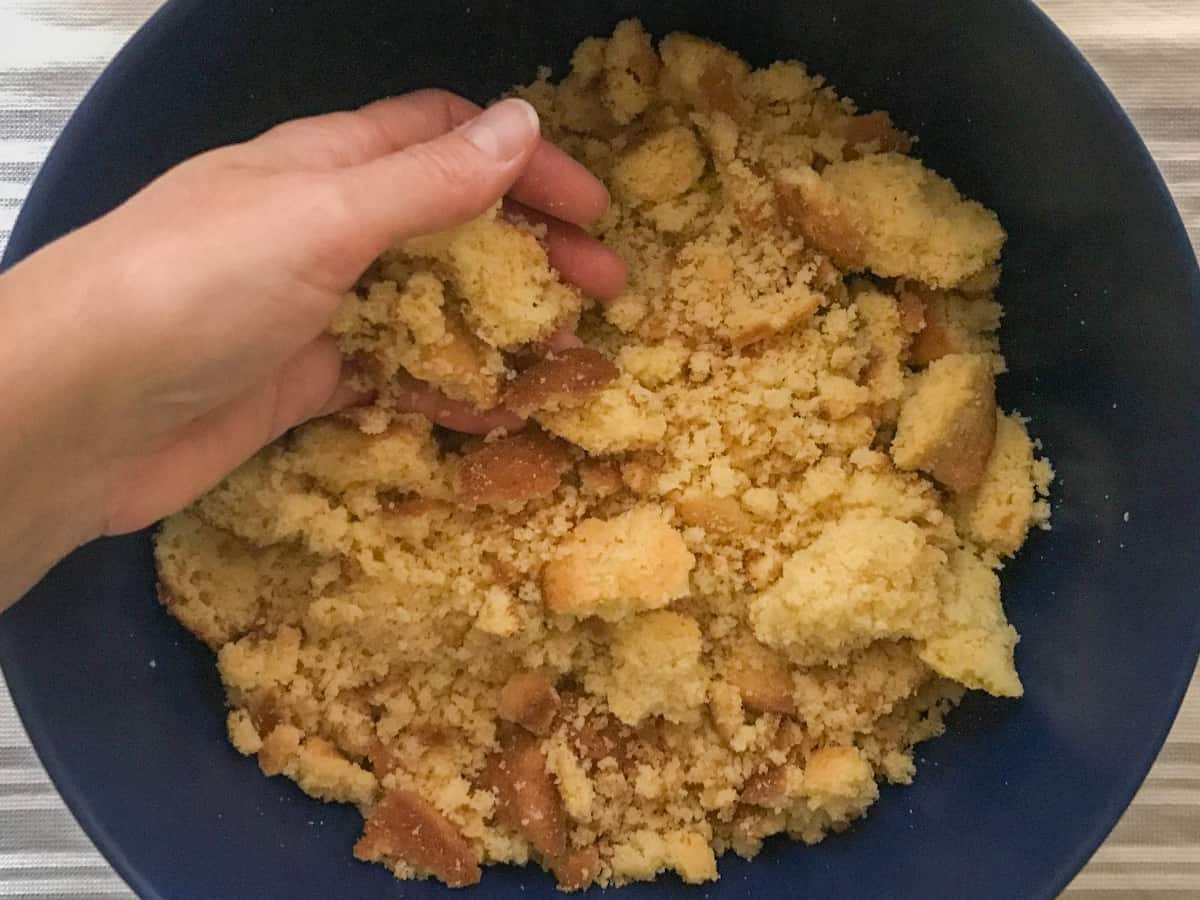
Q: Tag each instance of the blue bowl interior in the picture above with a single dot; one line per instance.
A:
(1102, 329)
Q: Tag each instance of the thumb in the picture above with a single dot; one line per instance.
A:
(443, 182)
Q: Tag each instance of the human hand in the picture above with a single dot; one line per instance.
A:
(156, 349)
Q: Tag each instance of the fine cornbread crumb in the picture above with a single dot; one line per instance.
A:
(744, 556)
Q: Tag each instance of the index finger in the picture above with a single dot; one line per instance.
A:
(560, 186)
(552, 181)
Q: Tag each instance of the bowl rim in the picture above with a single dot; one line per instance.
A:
(158, 30)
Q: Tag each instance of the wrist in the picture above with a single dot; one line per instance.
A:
(50, 501)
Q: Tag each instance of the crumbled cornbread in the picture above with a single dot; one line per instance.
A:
(741, 560)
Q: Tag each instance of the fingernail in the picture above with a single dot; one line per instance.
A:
(503, 131)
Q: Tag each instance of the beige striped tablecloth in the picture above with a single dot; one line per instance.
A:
(1147, 50)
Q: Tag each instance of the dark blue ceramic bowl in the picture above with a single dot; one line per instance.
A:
(1102, 334)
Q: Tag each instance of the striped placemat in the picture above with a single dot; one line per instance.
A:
(1147, 50)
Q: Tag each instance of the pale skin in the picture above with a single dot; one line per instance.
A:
(148, 354)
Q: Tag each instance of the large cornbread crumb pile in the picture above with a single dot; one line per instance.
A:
(742, 558)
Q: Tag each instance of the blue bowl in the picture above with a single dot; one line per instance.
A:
(1102, 336)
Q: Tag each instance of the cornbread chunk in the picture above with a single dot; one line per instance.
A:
(975, 645)
(612, 569)
(510, 294)
(948, 426)
(865, 578)
(812, 207)
(657, 670)
(768, 788)
(661, 168)
(528, 801)
(922, 230)
(560, 379)
(952, 323)
(701, 73)
(408, 828)
(197, 562)
(529, 700)
(742, 556)
(403, 458)
(630, 71)
(712, 512)
(513, 469)
(577, 868)
(412, 327)
(316, 765)
(497, 613)
(647, 853)
(621, 416)
(443, 306)
(656, 365)
(762, 680)
(873, 133)
(839, 782)
(997, 514)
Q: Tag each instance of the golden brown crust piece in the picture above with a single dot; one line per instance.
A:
(576, 869)
(913, 318)
(614, 568)
(999, 511)
(527, 798)
(948, 426)
(529, 699)
(767, 788)
(938, 337)
(822, 225)
(513, 469)
(574, 373)
(602, 737)
(873, 133)
(720, 514)
(764, 689)
(404, 826)
(599, 478)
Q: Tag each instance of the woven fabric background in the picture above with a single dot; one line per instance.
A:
(1147, 50)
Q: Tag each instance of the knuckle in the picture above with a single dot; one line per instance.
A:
(435, 95)
(331, 197)
(447, 108)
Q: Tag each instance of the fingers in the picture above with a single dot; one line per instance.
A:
(411, 395)
(344, 396)
(340, 139)
(580, 258)
(443, 182)
(212, 446)
(561, 186)
(552, 181)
